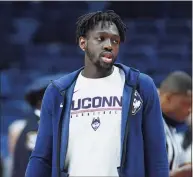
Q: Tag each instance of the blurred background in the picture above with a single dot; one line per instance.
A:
(38, 39)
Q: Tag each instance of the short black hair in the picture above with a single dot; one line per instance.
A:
(87, 22)
(33, 97)
(177, 82)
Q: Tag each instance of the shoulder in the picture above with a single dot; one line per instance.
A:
(50, 93)
(59, 85)
(147, 87)
(66, 81)
(146, 81)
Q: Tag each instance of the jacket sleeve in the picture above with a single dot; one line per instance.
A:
(41, 159)
(156, 160)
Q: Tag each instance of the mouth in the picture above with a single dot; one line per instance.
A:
(107, 57)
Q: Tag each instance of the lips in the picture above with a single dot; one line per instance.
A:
(107, 57)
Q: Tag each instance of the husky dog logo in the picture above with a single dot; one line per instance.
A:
(137, 103)
(95, 123)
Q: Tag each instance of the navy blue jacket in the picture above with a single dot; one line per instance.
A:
(143, 146)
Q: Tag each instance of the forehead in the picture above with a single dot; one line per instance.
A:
(106, 28)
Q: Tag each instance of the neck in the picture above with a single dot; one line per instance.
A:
(94, 73)
(91, 71)
(167, 113)
(172, 122)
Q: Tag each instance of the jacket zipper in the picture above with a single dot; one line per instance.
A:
(59, 137)
(124, 151)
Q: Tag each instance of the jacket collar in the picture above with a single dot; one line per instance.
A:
(66, 81)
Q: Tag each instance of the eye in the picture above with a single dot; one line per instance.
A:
(101, 38)
(115, 41)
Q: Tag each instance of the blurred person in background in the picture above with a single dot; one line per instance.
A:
(175, 97)
(103, 119)
(26, 141)
(14, 131)
(187, 143)
(1, 167)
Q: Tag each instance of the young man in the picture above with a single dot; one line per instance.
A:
(175, 97)
(104, 119)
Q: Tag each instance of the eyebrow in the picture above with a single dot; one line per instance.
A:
(107, 33)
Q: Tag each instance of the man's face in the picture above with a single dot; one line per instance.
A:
(102, 45)
(181, 106)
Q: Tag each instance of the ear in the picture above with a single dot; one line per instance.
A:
(82, 43)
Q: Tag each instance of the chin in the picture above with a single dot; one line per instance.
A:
(106, 65)
(182, 120)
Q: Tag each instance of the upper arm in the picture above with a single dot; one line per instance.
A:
(152, 114)
(153, 131)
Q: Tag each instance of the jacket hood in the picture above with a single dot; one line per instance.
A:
(41, 83)
(36, 89)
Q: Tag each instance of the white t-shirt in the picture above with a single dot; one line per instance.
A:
(186, 156)
(95, 126)
(174, 148)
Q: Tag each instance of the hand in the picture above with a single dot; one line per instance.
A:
(184, 171)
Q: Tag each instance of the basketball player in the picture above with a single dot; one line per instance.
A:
(175, 96)
(103, 119)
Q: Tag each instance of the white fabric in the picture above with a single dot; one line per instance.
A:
(186, 156)
(95, 131)
(37, 112)
(15, 130)
(16, 127)
(174, 147)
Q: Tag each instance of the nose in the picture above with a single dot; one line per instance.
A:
(108, 45)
